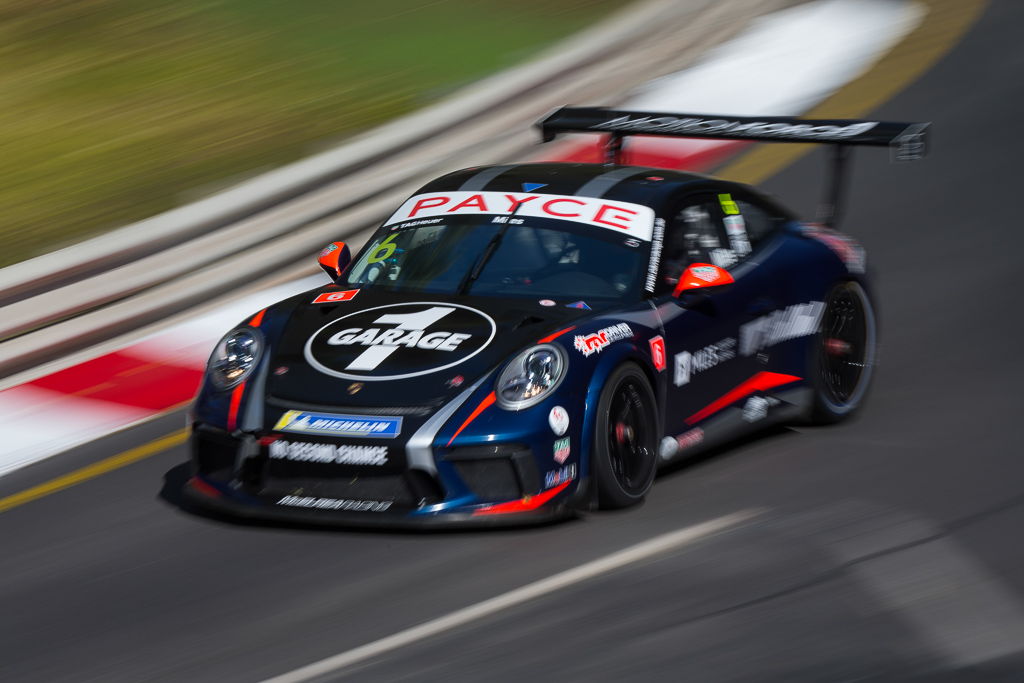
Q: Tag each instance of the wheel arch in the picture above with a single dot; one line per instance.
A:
(614, 356)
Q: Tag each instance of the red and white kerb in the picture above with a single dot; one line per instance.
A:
(630, 219)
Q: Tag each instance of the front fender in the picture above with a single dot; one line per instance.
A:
(481, 421)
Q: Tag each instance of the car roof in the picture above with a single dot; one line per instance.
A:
(637, 184)
(657, 188)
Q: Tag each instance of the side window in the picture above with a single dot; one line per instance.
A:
(759, 222)
(713, 228)
(695, 235)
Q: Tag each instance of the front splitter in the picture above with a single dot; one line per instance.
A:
(211, 498)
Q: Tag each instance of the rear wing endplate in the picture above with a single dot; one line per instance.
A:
(907, 141)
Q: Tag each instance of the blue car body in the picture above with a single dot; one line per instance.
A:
(720, 361)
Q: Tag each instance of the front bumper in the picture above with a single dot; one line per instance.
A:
(496, 485)
(209, 497)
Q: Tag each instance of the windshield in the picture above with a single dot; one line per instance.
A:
(502, 256)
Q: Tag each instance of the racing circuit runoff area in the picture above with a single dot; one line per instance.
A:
(882, 549)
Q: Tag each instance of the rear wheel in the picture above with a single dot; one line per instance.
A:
(625, 439)
(843, 354)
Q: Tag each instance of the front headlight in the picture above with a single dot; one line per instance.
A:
(531, 376)
(235, 357)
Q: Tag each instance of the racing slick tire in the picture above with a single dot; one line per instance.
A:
(626, 438)
(842, 354)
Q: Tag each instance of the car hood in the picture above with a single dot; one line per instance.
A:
(393, 349)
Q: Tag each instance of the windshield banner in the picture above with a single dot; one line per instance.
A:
(634, 220)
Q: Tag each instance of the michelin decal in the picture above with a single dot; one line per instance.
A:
(301, 422)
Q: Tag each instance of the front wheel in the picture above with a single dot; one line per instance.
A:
(842, 354)
(625, 439)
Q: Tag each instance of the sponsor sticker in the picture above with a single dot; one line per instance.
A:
(398, 341)
(756, 408)
(335, 297)
(690, 439)
(689, 363)
(562, 450)
(546, 302)
(654, 263)
(328, 249)
(558, 418)
(635, 220)
(670, 445)
(581, 305)
(736, 229)
(335, 503)
(658, 352)
(328, 453)
(589, 344)
(798, 320)
(329, 424)
(728, 205)
(559, 476)
(705, 273)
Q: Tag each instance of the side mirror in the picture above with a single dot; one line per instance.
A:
(701, 278)
(334, 259)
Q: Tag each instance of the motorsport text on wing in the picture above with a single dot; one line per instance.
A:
(909, 140)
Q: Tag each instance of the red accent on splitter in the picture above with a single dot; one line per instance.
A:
(523, 505)
(203, 488)
(488, 400)
(762, 381)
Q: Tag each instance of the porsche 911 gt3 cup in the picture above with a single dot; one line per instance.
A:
(518, 343)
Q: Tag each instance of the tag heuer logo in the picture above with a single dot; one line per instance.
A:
(399, 341)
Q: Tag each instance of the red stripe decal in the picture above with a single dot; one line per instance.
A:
(525, 505)
(257, 319)
(488, 400)
(236, 400)
(762, 381)
(550, 337)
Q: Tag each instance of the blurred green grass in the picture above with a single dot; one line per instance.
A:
(115, 110)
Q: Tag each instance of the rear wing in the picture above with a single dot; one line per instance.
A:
(907, 141)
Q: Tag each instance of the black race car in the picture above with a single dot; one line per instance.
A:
(516, 343)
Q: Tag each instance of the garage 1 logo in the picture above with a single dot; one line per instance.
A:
(399, 341)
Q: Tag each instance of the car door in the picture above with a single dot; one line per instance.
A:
(705, 358)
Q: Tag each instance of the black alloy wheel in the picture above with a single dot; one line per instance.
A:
(844, 354)
(626, 439)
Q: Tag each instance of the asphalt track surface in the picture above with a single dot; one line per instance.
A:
(887, 548)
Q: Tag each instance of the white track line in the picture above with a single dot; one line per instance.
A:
(641, 551)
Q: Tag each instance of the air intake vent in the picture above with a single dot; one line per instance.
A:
(497, 473)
